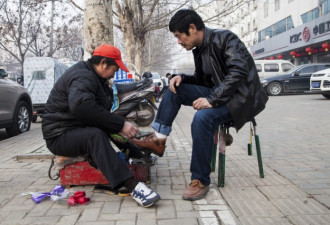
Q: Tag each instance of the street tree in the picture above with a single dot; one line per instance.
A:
(98, 24)
(29, 30)
(136, 19)
(20, 24)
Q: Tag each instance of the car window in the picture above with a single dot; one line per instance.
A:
(271, 67)
(259, 68)
(155, 76)
(321, 67)
(2, 73)
(294, 69)
(307, 70)
(286, 67)
(39, 75)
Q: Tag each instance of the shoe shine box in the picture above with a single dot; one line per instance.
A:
(82, 173)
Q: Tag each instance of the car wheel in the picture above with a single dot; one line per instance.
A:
(22, 120)
(274, 88)
(326, 95)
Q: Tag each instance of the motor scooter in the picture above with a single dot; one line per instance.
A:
(134, 101)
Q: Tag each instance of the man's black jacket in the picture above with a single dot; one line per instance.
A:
(80, 98)
(233, 73)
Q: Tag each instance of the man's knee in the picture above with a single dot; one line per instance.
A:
(203, 119)
(200, 118)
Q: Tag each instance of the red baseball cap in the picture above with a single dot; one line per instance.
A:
(110, 51)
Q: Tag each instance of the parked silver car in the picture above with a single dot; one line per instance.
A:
(15, 106)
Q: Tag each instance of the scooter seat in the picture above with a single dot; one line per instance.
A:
(136, 85)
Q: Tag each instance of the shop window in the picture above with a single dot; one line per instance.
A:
(277, 5)
(266, 9)
(325, 5)
(280, 27)
(310, 15)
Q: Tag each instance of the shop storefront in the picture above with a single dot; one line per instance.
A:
(308, 43)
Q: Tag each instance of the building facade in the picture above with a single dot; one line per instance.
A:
(295, 30)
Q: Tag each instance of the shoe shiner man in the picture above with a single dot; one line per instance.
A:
(224, 88)
(78, 120)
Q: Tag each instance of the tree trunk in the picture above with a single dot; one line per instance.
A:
(139, 44)
(129, 45)
(125, 16)
(98, 24)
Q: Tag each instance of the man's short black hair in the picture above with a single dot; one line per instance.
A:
(95, 60)
(183, 18)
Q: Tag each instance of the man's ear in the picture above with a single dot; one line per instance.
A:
(193, 28)
(102, 61)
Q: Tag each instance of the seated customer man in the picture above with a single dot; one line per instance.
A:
(78, 121)
(225, 88)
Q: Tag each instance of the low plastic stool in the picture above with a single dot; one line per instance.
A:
(220, 139)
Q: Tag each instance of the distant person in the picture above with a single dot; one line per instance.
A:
(78, 120)
(166, 82)
(168, 76)
(225, 88)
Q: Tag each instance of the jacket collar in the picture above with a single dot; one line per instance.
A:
(91, 68)
(206, 40)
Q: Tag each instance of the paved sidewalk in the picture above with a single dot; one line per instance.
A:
(245, 199)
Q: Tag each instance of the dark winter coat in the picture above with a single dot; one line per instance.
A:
(233, 73)
(80, 98)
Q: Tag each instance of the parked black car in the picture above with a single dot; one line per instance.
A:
(295, 80)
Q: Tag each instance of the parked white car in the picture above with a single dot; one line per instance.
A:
(269, 68)
(157, 80)
(320, 81)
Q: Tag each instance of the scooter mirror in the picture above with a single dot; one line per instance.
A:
(147, 74)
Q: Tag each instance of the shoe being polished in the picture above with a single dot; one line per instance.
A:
(195, 191)
(151, 142)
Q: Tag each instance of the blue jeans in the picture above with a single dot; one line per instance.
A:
(203, 126)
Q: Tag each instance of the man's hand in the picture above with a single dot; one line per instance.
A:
(129, 131)
(201, 103)
(175, 82)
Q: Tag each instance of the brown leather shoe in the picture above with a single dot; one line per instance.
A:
(195, 191)
(151, 142)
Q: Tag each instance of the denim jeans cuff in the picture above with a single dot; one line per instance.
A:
(163, 129)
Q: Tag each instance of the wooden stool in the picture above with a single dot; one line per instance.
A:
(220, 137)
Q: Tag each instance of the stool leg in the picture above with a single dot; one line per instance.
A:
(261, 169)
(214, 152)
(250, 144)
(222, 157)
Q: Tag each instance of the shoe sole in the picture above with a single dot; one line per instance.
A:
(189, 198)
(151, 204)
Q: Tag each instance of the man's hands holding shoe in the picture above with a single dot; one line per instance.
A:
(129, 131)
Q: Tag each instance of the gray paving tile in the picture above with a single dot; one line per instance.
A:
(320, 219)
(255, 220)
(282, 191)
(254, 208)
(299, 206)
(242, 193)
